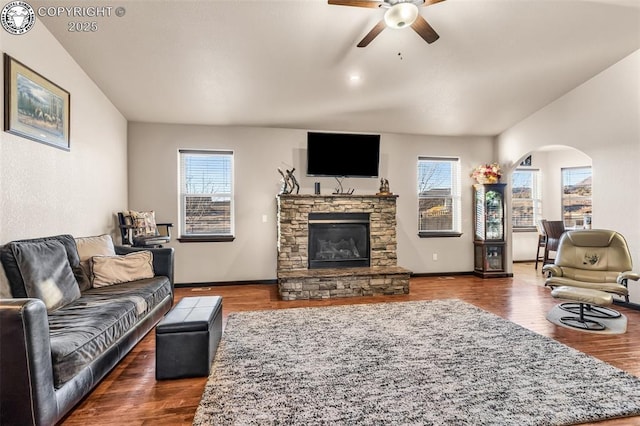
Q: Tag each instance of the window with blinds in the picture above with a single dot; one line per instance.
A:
(438, 196)
(576, 196)
(526, 201)
(206, 193)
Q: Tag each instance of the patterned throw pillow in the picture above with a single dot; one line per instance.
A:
(144, 223)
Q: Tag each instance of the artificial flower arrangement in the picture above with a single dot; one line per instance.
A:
(487, 173)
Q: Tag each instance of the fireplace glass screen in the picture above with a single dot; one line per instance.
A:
(338, 240)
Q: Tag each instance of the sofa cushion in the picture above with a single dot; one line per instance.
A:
(46, 272)
(110, 270)
(101, 245)
(12, 271)
(82, 330)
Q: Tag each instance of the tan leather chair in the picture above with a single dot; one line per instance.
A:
(596, 259)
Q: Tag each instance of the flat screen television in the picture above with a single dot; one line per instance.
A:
(342, 154)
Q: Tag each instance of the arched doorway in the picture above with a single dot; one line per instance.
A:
(546, 163)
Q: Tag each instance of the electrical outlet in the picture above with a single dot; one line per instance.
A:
(264, 218)
(434, 256)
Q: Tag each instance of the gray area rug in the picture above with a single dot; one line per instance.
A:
(441, 362)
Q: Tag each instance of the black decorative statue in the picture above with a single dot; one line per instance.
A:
(289, 181)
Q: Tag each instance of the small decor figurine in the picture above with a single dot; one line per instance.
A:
(487, 173)
(384, 187)
(340, 189)
(289, 181)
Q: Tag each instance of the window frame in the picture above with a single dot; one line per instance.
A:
(536, 199)
(183, 194)
(455, 197)
(578, 197)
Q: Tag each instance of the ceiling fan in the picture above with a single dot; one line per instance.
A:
(399, 14)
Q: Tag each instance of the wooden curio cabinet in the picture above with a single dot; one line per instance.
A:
(489, 239)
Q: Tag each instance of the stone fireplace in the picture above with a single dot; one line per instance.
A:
(338, 246)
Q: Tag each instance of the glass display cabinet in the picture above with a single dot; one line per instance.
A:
(489, 242)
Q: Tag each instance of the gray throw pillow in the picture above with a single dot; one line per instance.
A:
(46, 272)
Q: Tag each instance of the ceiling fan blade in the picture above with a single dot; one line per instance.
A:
(357, 3)
(425, 31)
(372, 34)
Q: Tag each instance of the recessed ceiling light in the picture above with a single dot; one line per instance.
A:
(354, 78)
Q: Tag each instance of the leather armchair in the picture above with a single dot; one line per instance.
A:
(596, 259)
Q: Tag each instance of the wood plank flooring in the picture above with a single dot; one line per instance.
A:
(130, 394)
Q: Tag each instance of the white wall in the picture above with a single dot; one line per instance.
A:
(45, 190)
(549, 160)
(258, 152)
(602, 119)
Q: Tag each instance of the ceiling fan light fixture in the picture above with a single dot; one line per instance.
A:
(401, 15)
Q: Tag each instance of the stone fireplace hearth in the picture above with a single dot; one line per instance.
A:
(301, 276)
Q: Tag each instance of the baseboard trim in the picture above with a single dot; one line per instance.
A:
(224, 283)
(630, 305)
(275, 281)
(439, 274)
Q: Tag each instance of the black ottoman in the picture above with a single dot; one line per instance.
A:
(187, 338)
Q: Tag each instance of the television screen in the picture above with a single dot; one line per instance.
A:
(342, 154)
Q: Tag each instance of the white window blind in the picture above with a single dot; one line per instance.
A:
(576, 195)
(206, 193)
(526, 200)
(438, 195)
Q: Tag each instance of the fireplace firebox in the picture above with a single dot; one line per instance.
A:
(338, 240)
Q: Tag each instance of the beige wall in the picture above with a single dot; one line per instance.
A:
(45, 190)
(549, 160)
(602, 119)
(258, 152)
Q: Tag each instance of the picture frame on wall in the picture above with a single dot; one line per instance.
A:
(34, 107)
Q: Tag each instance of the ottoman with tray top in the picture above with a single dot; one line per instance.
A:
(187, 338)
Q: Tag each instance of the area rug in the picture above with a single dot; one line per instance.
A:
(613, 326)
(441, 362)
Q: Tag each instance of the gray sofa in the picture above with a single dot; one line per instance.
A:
(52, 354)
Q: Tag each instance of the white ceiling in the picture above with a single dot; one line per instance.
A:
(287, 63)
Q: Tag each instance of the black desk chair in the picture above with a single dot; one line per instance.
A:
(553, 230)
(139, 229)
(542, 242)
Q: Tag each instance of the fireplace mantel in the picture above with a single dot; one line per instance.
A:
(382, 277)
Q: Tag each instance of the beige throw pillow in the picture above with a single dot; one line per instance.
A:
(5, 289)
(110, 270)
(101, 245)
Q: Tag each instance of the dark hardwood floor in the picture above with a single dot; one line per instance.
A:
(131, 395)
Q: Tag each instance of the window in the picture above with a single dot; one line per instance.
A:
(525, 201)
(438, 197)
(576, 196)
(206, 195)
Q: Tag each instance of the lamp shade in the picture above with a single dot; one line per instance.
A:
(401, 15)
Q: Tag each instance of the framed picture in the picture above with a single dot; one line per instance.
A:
(34, 107)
